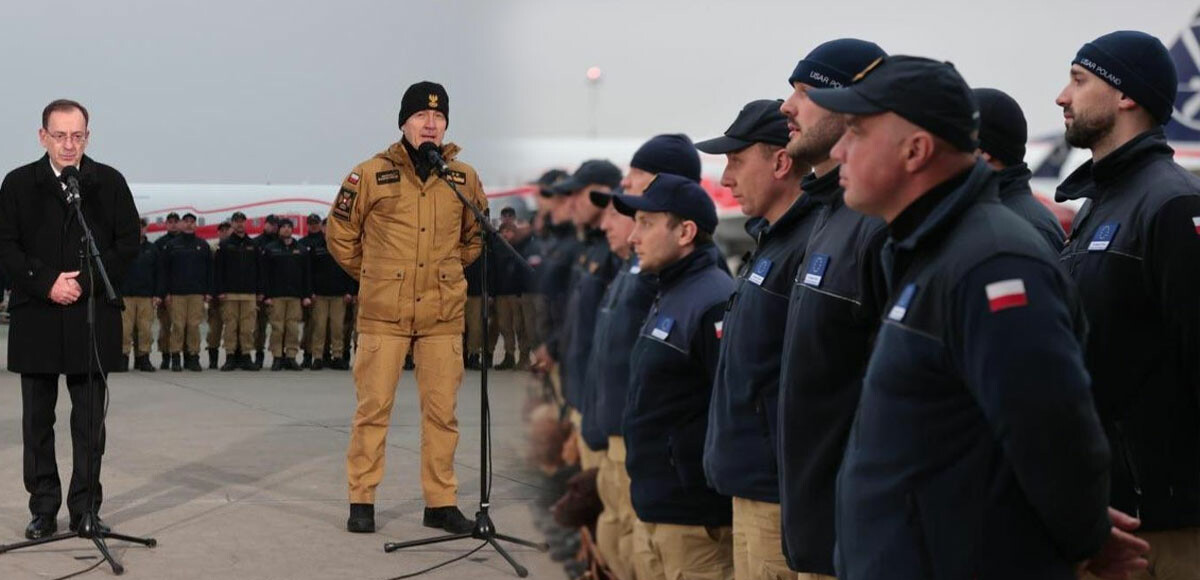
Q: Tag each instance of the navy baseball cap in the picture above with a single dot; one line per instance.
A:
(546, 182)
(172, 216)
(593, 171)
(601, 199)
(313, 218)
(237, 215)
(189, 216)
(928, 93)
(672, 194)
(758, 122)
(271, 219)
(833, 64)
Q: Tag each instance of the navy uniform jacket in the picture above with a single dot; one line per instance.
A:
(976, 451)
(235, 269)
(513, 279)
(618, 322)
(285, 270)
(328, 278)
(739, 449)
(670, 385)
(561, 250)
(1135, 255)
(1017, 196)
(165, 239)
(594, 269)
(141, 279)
(185, 266)
(836, 298)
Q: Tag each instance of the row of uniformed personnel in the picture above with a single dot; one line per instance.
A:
(246, 283)
(916, 374)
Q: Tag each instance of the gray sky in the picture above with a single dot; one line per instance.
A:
(294, 92)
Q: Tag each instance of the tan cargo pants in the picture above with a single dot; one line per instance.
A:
(187, 312)
(135, 325)
(376, 372)
(673, 552)
(285, 326)
(614, 528)
(758, 542)
(327, 320)
(239, 314)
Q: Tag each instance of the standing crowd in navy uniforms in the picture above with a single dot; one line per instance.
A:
(916, 373)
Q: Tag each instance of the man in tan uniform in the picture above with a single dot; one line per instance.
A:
(216, 323)
(398, 228)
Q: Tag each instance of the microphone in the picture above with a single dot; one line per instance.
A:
(70, 176)
(434, 155)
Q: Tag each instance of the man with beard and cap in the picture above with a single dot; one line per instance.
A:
(1133, 252)
(164, 316)
(976, 365)
(285, 283)
(834, 299)
(739, 457)
(398, 227)
(269, 234)
(216, 321)
(619, 318)
(138, 292)
(671, 370)
(185, 283)
(556, 238)
(594, 268)
(1002, 136)
(235, 283)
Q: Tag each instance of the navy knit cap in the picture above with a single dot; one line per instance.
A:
(833, 64)
(1002, 127)
(424, 95)
(674, 154)
(1136, 64)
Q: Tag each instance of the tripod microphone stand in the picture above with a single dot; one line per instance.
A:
(89, 527)
(484, 528)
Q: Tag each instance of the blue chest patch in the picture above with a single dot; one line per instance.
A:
(1103, 237)
(761, 268)
(662, 328)
(816, 270)
(900, 308)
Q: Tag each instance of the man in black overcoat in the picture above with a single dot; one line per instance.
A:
(41, 247)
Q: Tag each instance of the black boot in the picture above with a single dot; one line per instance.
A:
(290, 364)
(191, 362)
(307, 364)
(124, 366)
(449, 519)
(339, 364)
(508, 363)
(247, 364)
(259, 357)
(277, 363)
(472, 362)
(233, 361)
(176, 363)
(213, 355)
(166, 361)
(318, 364)
(362, 518)
(142, 363)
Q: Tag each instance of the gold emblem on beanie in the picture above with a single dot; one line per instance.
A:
(433, 101)
(860, 76)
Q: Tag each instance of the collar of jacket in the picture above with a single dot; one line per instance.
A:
(1014, 181)
(397, 154)
(591, 234)
(761, 230)
(703, 256)
(824, 189)
(45, 173)
(979, 181)
(1089, 178)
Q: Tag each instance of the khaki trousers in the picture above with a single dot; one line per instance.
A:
(376, 372)
(260, 327)
(187, 312)
(510, 324)
(285, 326)
(531, 307)
(673, 552)
(587, 458)
(135, 325)
(614, 528)
(239, 313)
(164, 328)
(758, 542)
(328, 318)
(216, 324)
(1174, 555)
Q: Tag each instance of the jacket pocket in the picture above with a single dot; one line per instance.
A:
(452, 286)
(685, 451)
(379, 291)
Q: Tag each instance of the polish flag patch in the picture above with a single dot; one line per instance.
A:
(353, 179)
(1196, 223)
(719, 326)
(1006, 294)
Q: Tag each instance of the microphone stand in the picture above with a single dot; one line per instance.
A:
(89, 524)
(484, 528)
